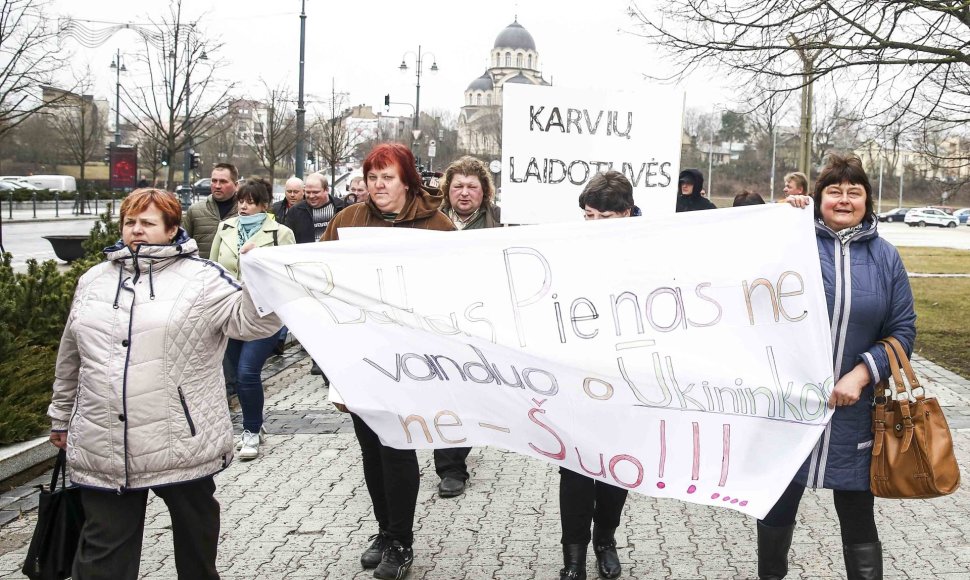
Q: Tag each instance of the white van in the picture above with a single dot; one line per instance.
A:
(52, 182)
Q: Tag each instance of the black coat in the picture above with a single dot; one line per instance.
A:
(299, 218)
(280, 210)
(695, 201)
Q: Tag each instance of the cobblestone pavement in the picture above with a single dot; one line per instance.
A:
(301, 511)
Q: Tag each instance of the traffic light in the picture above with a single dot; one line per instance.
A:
(196, 161)
(309, 156)
(107, 154)
(387, 102)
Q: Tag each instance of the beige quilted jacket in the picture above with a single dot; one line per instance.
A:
(138, 383)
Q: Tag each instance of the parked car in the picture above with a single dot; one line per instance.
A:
(11, 185)
(962, 214)
(52, 182)
(927, 216)
(202, 187)
(893, 215)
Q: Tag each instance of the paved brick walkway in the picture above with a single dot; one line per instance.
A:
(301, 511)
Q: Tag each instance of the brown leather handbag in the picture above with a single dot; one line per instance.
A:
(912, 452)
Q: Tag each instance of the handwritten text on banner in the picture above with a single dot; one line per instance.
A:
(687, 357)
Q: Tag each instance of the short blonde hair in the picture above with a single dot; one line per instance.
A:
(800, 180)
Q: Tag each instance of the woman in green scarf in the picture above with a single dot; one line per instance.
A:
(253, 228)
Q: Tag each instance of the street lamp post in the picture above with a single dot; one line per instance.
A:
(119, 68)
(882, 157)
(418, 68)
(710, 154)
(300, 153)
(187, 157)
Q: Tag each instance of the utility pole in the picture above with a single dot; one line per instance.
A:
(300, 160)
(808, 58)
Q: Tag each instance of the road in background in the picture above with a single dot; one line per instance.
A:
(900, 234)
(24, 239)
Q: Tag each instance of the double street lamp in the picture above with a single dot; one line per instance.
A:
(119, 67)
(418, 69)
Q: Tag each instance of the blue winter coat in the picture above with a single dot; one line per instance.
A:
(869, 298)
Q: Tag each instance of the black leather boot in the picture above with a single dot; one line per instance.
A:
(604, 546)
(573, 562)
(773, 545)
(863, 561)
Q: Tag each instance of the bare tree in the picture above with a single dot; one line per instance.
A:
(222, 142)
(835, 127)
(29, 56)
(182, 99)
(943, 161)
(335, 141)
(276, 129)
(151, 155)
(909, 58)
(81, 127)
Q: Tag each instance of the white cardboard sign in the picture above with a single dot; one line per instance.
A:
(554, 140)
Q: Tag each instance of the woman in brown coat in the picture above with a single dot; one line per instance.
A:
(396, 198)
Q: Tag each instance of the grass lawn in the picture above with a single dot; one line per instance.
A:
(936, 260)
(942, 306)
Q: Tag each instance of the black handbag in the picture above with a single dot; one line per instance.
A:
(60, 517)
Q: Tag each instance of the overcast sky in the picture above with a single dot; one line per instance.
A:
(360, 44)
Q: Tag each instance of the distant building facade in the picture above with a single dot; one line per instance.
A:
(513, 59)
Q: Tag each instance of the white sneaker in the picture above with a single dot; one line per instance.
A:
(249, 448)
(262, 438)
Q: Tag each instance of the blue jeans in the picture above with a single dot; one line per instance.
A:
(248, 358)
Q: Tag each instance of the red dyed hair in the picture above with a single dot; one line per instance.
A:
(387, 154)
(139, 200)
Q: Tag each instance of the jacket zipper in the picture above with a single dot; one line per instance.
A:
(124, 386)
(843, 271)
(185, 409)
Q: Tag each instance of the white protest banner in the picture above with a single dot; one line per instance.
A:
(687, 358)
(555, 139)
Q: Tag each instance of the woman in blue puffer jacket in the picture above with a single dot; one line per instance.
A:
(869, 298)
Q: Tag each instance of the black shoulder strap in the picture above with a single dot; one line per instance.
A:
(275, 238)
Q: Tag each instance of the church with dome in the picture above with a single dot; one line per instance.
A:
(513, 59)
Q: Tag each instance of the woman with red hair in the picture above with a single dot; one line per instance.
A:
(139, 397)
(396, 198)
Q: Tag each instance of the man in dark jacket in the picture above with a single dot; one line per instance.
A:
(203, 217)
(689, 198)
(293, 191)
(309, 218)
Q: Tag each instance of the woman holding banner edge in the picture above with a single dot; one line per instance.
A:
(396, 198)
(584, 501)
(869, 298)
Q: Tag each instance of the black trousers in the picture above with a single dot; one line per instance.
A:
(582, 501)
(111, 539)
(392, 478)
(450, 462)
(855, 509)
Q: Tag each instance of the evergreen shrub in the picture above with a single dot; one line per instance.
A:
(33, 309)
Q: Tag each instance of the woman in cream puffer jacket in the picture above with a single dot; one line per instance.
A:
(138, 383)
